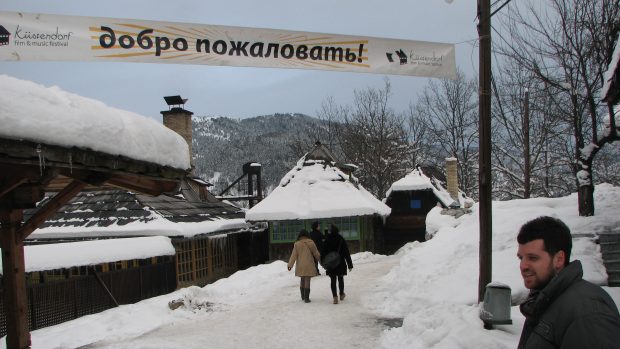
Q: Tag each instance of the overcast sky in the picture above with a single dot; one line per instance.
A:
(246, 92)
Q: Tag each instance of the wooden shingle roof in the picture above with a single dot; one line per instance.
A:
(104, 208)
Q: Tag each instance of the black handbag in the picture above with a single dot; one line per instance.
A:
(332, 259)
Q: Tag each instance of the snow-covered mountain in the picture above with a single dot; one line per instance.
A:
(221, 146)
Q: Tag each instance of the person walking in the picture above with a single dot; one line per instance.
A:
(303, 258)
(334, 242)
(562, 309)
(317, 238)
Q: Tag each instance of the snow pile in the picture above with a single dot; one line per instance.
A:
(435, 221)
(29, 111)
(435, 286)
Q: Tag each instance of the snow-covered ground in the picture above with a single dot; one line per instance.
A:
(431, 287)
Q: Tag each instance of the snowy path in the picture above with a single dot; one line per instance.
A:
(279, 319)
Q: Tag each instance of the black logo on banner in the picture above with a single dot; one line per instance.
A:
(4, 36)
(402, 56)
(414, 58)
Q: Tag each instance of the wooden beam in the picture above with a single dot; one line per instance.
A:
(11, 184)
(26, 196)
(92, 271)
(24, 153)
(50, 209)
(14, 279)
(144, 185)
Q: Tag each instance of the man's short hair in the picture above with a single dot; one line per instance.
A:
(315, 225)
(554, 233)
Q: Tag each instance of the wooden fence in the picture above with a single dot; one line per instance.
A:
(57, 301)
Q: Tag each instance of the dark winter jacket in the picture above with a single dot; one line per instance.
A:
(570, 313)
(317, 237)
(331, 243)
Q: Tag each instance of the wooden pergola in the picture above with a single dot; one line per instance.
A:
(25, 169)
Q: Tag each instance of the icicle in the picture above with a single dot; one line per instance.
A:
(70, 163)
(219, 241)
(41, 160)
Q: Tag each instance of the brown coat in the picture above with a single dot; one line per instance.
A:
(303, 256)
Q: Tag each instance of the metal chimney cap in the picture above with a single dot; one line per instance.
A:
(175, 100)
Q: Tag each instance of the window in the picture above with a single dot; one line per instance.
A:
(286, 231)
(202, 267)
(56, 274)
(184, 261)
(348, 227)
(415, 204)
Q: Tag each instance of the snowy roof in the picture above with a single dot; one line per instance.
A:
(120, 213)
(320, 152)
(49, 115)
(418, 180)
(316, 189)
(614, 67)
(83, 253)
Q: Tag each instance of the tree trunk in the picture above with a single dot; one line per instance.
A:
(586, 200)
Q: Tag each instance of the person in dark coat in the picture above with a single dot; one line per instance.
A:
(562, 310)
(317, 237)
(335, 242)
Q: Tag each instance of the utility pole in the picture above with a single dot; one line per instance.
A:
(526, 145)
(484, 133)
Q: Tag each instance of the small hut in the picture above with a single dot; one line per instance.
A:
(413, 196)
(319, 189)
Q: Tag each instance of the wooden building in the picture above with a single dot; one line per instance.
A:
(46, 133)
(75, 170)
(412, 197)
(211, 238)
(321, 189)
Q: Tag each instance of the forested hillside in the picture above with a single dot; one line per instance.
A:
(222, 145)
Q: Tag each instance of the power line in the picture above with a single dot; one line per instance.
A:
(501, 7)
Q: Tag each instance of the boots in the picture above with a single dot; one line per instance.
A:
(342, 295)
(335, 300)
(307, 295)
(303, 293)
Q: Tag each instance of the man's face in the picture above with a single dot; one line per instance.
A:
(537, 265)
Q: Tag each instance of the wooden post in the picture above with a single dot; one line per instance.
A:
(192, 247)
(250, 189)
(484, 134)
(209, 259)
(15, 296)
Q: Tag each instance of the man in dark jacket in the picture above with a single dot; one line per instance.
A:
(562, 310)
(317, 237)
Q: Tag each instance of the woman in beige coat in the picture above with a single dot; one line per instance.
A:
(304, 254)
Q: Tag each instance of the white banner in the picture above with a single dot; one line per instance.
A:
(43, 37)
